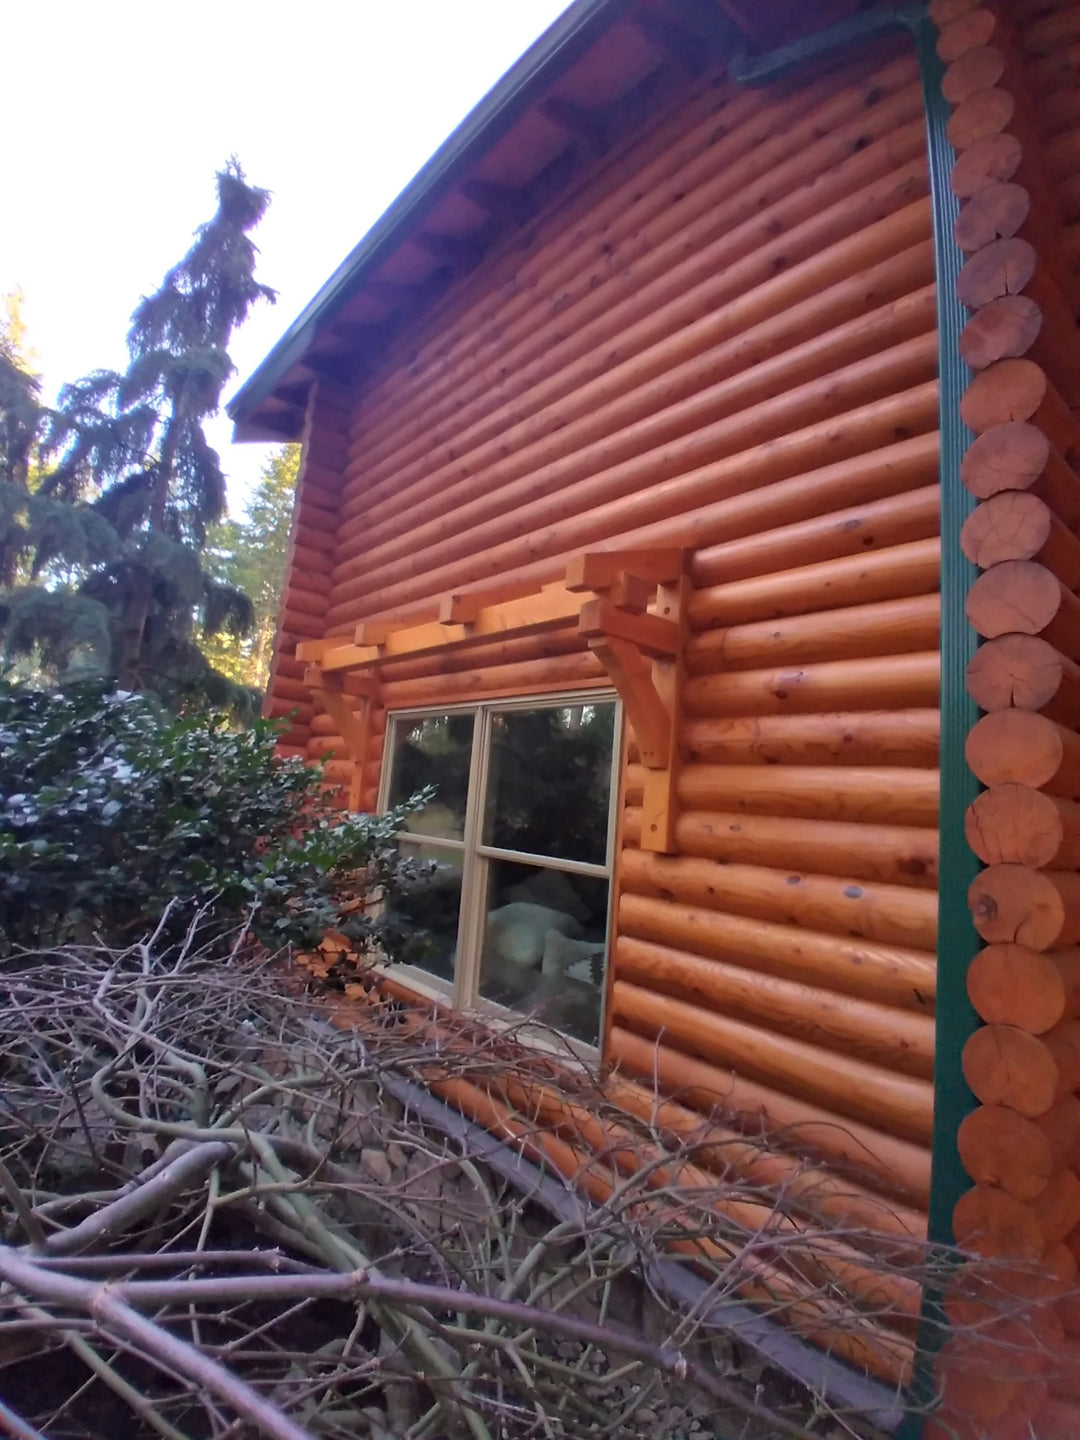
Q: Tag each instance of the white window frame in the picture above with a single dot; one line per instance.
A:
(477, 858)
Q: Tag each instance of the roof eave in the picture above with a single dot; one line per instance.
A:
(556, 48)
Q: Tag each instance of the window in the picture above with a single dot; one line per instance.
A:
(515, 912)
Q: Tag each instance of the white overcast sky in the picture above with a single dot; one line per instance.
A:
(120, 111)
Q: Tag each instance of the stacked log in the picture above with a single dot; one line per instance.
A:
(305, 600)
(1021, 1146)
(727, 342)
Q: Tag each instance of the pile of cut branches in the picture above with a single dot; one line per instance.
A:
(221, 1221)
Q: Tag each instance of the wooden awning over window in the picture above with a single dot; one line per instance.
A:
(629, 608)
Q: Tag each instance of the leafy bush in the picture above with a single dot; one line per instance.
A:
(115, 816)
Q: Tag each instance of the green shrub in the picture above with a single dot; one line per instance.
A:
(116, 817)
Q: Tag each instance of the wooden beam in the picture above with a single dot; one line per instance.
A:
(585, 125)
(631, 675)
(652, 635)
(461, 252)
(349, 657)
(507, 202)
(464, 606)
(315, 678)
(599, 570)
(687, 49)
(312, 651)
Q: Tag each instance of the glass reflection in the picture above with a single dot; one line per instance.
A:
(545, 946)
(429, 906)
(549, 781)
(433, 750)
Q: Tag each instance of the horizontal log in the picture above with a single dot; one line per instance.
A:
(893, 854)
(1025, 748)
(899, 681)
(901, 1105)
(303, 601)
(989, 1222)
(1059, 1419)
(891, 974)
(980, 1385)
(532, 677)
(977, 69)
(1037, 908)
(897, 796)
(686, 503)
(573, 260)
(705, 263)
(996, 213)
(999, 1146)
(879, 1160)
(888, 627)
(1019, 390)
(966, 31)
(625, 416)
(1005, 1065)
(1011, 984)
(283, 687)
(1025, 598)
(1028, 673)
(781, 1237)
(883, 1035)
(888, 470)
(987, 112)
(1002, 330)
(1055, 26)
(616, 495)
(1004, 267)
(766, 1164)
(892, 914)
(990, 161)
(884, 737)
(1017, 525)
(764, 532)
(884, 574)
(281, 708)
(1057, 1206)
(1013, 824)
(1018, 456)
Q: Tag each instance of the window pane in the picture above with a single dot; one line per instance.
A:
(430, 906)
(545, 946)
(549, 781)
(433, 750)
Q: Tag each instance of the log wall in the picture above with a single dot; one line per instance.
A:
(726, 341)
(1012, 79)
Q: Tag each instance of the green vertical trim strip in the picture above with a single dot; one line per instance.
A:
(957, 939)
(958, 942)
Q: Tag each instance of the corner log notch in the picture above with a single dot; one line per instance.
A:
(630, 608)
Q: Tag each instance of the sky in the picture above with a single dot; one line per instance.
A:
(128, 107)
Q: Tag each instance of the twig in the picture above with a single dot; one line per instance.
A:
(16, 1426)
(25, 1215)
(359, 1285)
(116, 1317)
(180, 1174)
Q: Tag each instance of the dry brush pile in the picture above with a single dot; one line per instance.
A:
(220, 1222)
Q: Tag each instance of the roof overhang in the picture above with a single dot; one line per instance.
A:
(599, 72)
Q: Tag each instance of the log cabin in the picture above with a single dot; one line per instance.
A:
(689, 494)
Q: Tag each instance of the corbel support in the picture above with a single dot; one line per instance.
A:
(641, 650)
(354, 725)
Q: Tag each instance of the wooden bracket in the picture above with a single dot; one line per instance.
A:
(354, 726)
(642, 654)
(630, 609)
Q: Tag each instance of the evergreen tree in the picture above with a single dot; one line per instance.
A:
(250, 554)
(102, 551)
